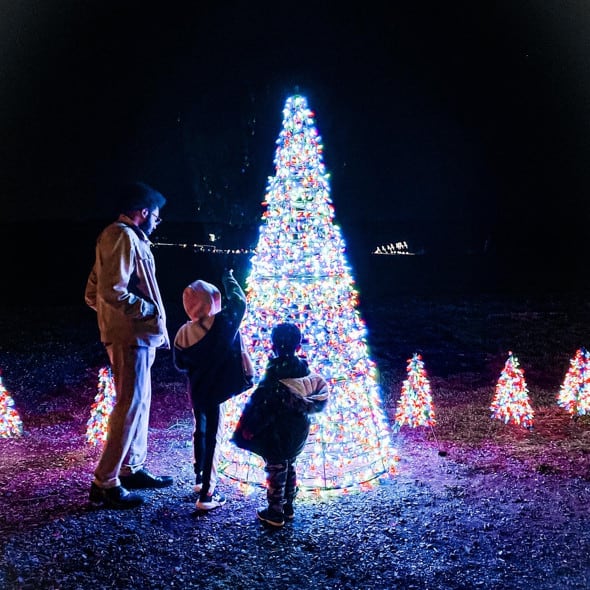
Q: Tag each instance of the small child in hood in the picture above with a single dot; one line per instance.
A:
(207, 348)
(275, 421)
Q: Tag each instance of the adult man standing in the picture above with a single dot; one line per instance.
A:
(123, 290)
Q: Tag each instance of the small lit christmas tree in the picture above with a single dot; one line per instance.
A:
(511, 400)
(97, 425)
(299, 274)
(415, 407)
(574, 393)
(10, 422)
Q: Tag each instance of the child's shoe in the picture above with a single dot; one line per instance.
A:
(288, 511)
(215, 500)
(290, 496)
(271, 517)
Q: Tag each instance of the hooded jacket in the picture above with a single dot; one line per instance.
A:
(275, 421)
(207, 348)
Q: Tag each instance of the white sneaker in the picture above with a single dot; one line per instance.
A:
(212, 501)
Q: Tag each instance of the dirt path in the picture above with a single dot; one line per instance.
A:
(437, 524)
(502, 510)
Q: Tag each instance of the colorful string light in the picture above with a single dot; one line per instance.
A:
(11, 424)
(511, 400)
(97, 425)
(574, 393)
(415, 407)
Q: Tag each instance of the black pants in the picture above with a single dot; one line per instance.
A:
(204, 445)
(281, 482)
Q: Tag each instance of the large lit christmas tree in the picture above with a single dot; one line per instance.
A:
(299, 273)
(511, 400)
(415, 407)
(574, 393)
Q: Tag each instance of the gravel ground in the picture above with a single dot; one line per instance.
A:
(472, 506)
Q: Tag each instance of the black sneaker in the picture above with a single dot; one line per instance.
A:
(215, 500)
(288, 511)
(143, 479)
(117, 497)
(271, 517)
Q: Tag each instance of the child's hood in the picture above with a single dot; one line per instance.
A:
(312, 387)
(201, 300)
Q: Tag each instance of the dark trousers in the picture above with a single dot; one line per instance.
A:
(204, 447)
(281, 483)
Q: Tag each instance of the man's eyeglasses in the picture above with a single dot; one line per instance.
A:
(157, 219)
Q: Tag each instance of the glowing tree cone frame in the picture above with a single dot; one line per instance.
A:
(299, 273)
(511, 401)
(97, 425)
(415, 407)
(574, 393)
(10, 422)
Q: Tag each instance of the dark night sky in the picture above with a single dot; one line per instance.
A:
(448, 116)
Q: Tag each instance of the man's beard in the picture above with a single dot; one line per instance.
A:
(145, 227)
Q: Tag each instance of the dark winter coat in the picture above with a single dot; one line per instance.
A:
(275, 420)
(214, 363)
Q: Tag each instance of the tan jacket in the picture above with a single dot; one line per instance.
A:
(123, 290)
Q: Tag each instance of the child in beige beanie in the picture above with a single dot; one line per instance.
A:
(201, 301)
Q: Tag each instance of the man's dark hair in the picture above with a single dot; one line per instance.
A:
(285, 338)
(138, 195)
